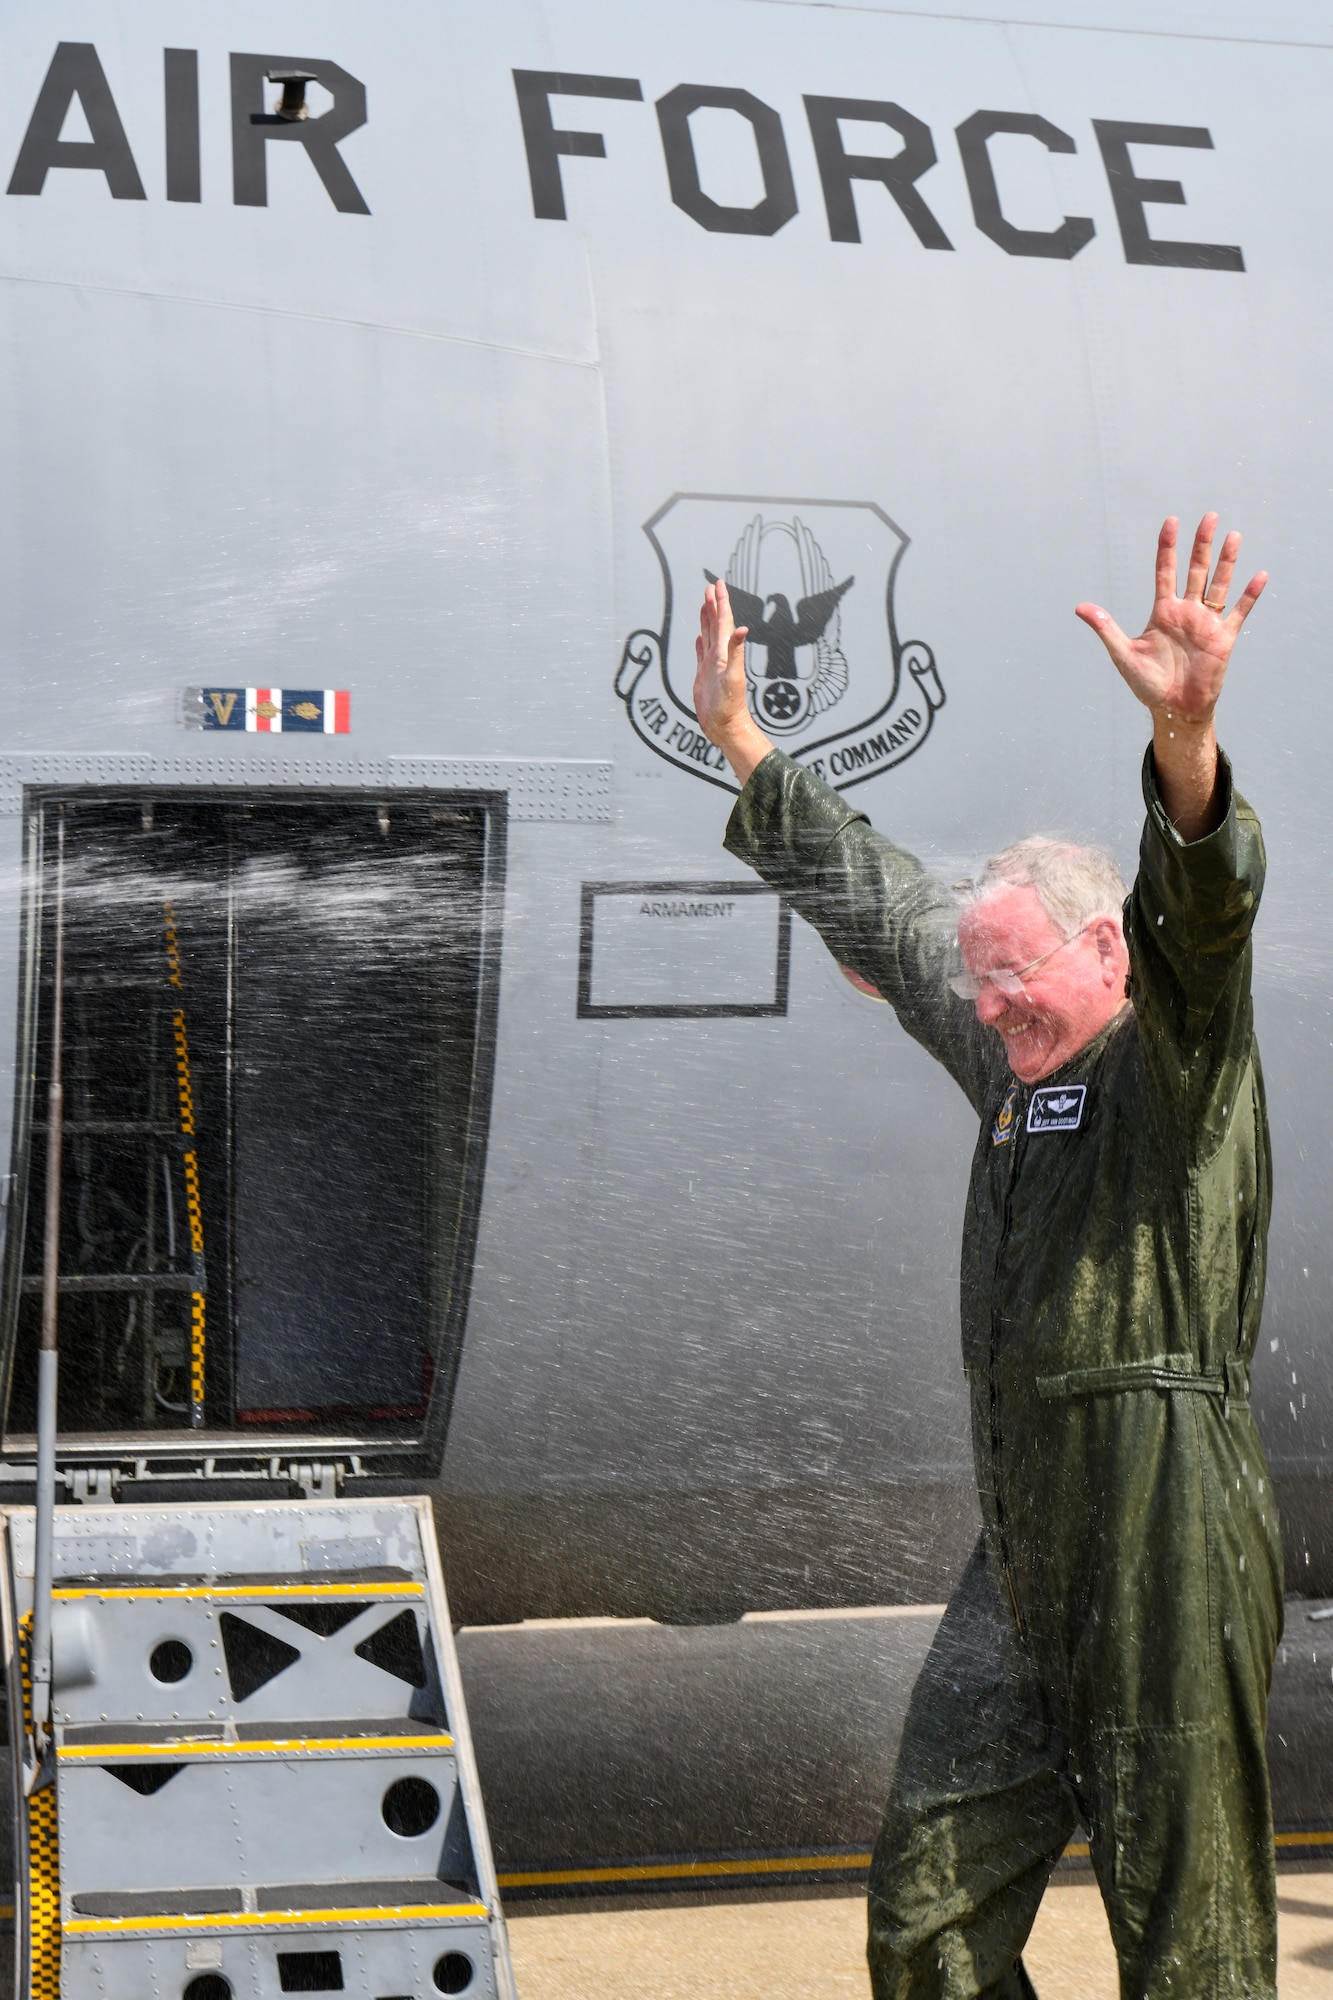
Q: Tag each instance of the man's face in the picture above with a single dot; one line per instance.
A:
(1066, 1002)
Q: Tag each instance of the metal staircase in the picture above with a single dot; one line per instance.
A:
(260, 1779)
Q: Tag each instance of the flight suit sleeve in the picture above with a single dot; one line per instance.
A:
(1188, 922)
(876, 908)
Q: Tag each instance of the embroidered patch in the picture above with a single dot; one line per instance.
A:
(1002, 1131)
(1057, 1108)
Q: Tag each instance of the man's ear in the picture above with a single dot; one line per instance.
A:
(1110, 949)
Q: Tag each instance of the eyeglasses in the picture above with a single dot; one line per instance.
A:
(971, 985)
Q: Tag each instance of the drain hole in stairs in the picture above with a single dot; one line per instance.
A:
(253, 1657)
(453, 1972)
(145, 1779)
(326, 1619)
(410, 1807)
(171, 1661)
(208, 1986)
(310, 1971)
(396, 1649)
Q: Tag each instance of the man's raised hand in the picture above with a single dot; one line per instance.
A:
(720, 698)
(1179, 661)
(1177, 666)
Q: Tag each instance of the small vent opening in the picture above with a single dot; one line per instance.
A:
(310, 1971)
(453, 1972)
(208, 1986)
(253, 1657)
(396, 1649)
(410, 1807)
(171, 1661)
(325, 1619)
(145, 1779)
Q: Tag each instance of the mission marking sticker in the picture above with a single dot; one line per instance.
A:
(1057, 1108)
(270, 711)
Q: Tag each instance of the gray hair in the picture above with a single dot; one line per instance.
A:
(1075, 885)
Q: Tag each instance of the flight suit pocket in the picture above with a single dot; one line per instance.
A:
(1163, 1832)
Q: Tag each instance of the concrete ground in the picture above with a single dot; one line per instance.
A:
(790, 1949)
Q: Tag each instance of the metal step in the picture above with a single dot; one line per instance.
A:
(204, 1649)
(262, 1771)
(412, 1896)
(114, 1128)
(366, 1953)
(258, 1813)
(75, 1282)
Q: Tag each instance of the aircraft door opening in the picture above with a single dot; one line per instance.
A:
(279, 1020)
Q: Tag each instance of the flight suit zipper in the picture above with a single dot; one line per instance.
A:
(1001, 1526)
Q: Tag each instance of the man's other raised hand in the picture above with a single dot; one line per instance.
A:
(1177, 665)
(720, 697)
(1179, 661)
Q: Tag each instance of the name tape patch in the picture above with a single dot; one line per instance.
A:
(1057, 1108)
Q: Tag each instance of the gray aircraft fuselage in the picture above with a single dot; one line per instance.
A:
(446, 397)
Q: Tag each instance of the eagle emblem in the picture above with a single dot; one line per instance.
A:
(805, 669)
(827, 676)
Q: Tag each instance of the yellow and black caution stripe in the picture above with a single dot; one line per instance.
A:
(262, 1749)
(849, 1865)
(370, 1916)
(44, 1895)
(686, 1871)
(1295, 1841)
(244, 1593)
(194, 1206)
(43, 1861)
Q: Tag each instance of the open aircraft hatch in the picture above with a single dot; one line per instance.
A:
(279, 1023)
(255, 1059)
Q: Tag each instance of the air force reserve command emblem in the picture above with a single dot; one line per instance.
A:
(829, 679)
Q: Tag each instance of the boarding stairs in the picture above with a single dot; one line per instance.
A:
(259, 1779)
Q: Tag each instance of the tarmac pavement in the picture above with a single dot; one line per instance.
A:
(791, 1949)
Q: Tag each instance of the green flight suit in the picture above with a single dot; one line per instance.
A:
(1107, 1655)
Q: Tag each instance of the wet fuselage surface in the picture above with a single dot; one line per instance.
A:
(543, 1161)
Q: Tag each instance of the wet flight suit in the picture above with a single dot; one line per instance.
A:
(1108, 1652)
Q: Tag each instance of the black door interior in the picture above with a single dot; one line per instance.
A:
(279, 1017)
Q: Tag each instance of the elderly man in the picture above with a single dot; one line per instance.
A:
(1107, 1654)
